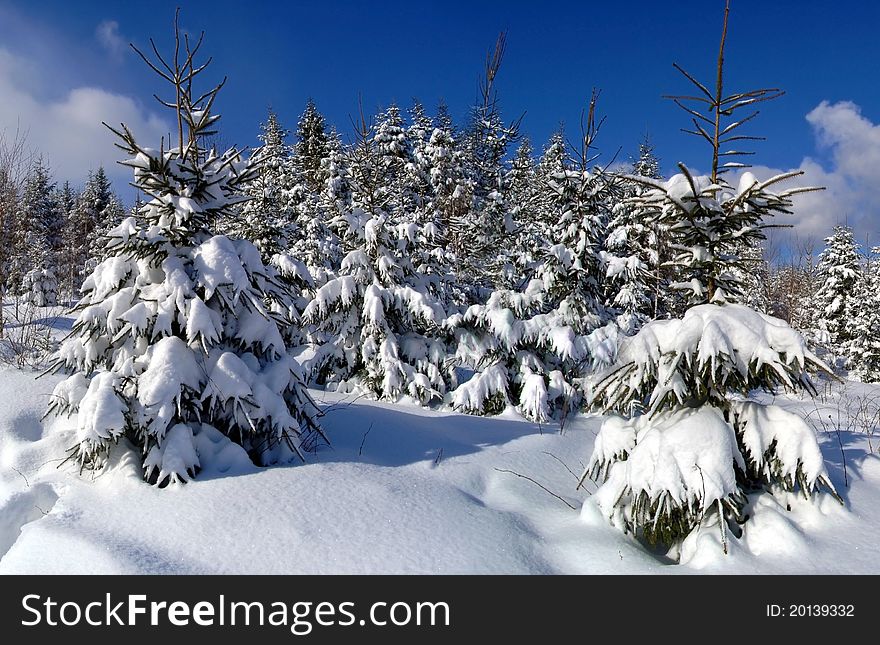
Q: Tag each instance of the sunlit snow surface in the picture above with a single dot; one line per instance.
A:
(401, 490)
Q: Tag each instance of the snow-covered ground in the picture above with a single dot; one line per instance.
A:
(401, 490)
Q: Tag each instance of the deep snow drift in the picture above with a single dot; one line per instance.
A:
(401, 490)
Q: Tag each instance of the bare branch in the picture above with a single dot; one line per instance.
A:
(539, 485)
(150, 63)
(696, 82)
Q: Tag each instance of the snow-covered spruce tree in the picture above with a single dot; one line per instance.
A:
(531, 347)
(111, 217)
(523, 355)
(13, 165)
(864, 348)
(632, 255)
(316, 162)
(174, 341)
(267, 217)
(503, 340)
(418, 133)
(531, 228)
(448, 199)
(417, 173)
(579, 202)
(443, 119)
(754, 276)
(684, 383)
(380, 322)
(477, 237)
(835, 303)
(311, 149)
(40, 287)
(317, 243)
(691, 444)
(68, 274)
(38, 236)
(97, 212)
(392, 164)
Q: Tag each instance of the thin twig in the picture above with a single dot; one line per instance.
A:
(364, 440)
(342, 404)
(540, 485)
(26, 482)
(842, 456)
(550, 454)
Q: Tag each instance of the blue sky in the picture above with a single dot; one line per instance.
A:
(65, 66)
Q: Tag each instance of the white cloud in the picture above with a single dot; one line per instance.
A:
(107, 33)
(851, 179)
(68, 130)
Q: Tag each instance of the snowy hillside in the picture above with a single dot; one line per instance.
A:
(401, 490)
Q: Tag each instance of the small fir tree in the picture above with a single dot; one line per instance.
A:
(864, 348)
(37, 244)
(836, 302)
(634, 251)
(267, 218)
(690, 444)
(379, 321)
(174, 341)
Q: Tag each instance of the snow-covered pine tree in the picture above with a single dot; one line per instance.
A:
(417, 173)
(40, 287)
(633, 250)
(111, 217)
(13, 164)
(530, 224)
(864, 349)
(524, 354)
(477, 237)
(316, 162)
(684, 384)
(578, 201)
(97, 212)
(308, 172)
(448, 200)
(312, 148)
(522, 178)
(174, 342)
(647, 164)
(513, 348)
(35, 254)
(835, 304)
(418, 133)
(267, 217)
(443, 119)
(68, 274)
(391, 164)
(380, 321)
(691, 444)
(531, 347)
(318, 244)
